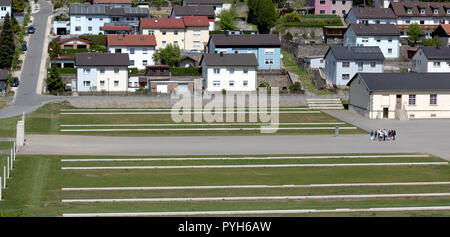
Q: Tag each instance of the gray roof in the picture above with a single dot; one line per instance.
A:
(404, 81)
(356, 53)
(3, 74)
(193, 11)
(81, 9)
(373, 13)
(431, 52)
(102, 59)
(375, 29)
(266, 40)
(204, 2)
(6, 2)
(230, 59)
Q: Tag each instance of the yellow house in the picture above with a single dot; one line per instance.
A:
(400, 95)
(188, 32)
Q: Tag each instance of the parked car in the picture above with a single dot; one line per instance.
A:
(31, 30)
(24, 46)
(15, 82)
(194, 51)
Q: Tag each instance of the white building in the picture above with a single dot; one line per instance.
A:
(314, 61)
(232, 72)
(5, 7)
(385, 36)
(140, 48)
(431, 59)
(400, 95)
(368, 15)
(342, 63)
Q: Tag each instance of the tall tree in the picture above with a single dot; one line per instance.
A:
(267, 15)
(7, 47)
(227, 19)
(414, 33)
(18, 5)
(54, 81)
(170, 55)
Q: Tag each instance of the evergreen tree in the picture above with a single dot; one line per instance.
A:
(7, 47)
(18, 5)
(15, 25)
(54, 81)
(414, 32)
(170, 55)
(267, 16)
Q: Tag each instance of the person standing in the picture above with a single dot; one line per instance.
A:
(393, 134)
(385, 135)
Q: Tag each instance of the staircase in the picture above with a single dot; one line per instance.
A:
(324, 103)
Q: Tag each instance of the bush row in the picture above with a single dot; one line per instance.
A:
(95, 39)
(185, 71)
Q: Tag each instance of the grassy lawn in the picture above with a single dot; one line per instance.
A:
(35, 187)
(6, 145)
(291, 65)
(47, 120)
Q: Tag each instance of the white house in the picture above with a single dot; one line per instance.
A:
(342, 63)
(5, 7)
(431, 59)
(368, 15)
(385, 36)
(102, 72)
(316, 61)
(140, 48)
(232, 72)
(216, 4)
(400, 95)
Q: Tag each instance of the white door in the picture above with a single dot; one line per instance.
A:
(161, 88)
(183, 88)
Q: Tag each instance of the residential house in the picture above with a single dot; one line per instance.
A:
(116, 29)
(386, 3)
(5, 7)
(443, 33)
(102, 72)
(400, 95)
(266, 47)
(232, 72)
(314, 61)
(208, 11)
(140, 48)
(113, 3)
(188, 33)
(216, 4)
(3, 79)
(431, 59)
(342, 63)
(369, 15)
(74, 43)
(89, 19)
(335, 7)
(385, 36)
(429, 15)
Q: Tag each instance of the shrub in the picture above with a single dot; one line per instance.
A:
(95, 39)
(291, 17)
(296, 87)
(288, 36)
(185, 71)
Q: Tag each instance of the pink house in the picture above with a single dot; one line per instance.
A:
(334, 7)
(322, 7)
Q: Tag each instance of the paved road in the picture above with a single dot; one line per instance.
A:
(26, 99)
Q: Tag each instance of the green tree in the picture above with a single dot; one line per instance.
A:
(414, 33)
(267, 16)
(54, 49)
(433, 42)
(227, 19)
(170, 55)
(10, 78)
(54, 81)
(15, 25)
(291, 17)
(7, 47)
(18, 5)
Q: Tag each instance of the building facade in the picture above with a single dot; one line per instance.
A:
(334, 7)
(5, 8)
(369, 15)
(431, 59)
(208, 11)
(140, 48)
(443, 33)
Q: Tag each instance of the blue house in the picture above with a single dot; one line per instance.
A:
(266, 47)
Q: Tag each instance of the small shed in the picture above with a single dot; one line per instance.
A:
(74, 43)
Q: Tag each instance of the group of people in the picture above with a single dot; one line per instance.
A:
(382, 135)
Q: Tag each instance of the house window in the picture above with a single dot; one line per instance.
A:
(390, 40)
(322, 2)
(373, 64)
(231, 70)
(422, 11)
(389, 51)
(433, 99)
(246, 70)
(175, 43)
(412, 99)
(116, 70)
(268, 61)
(102, 71)
(196, 33)
(245, 83)
(78, 18)
(345, 76)
(378, 41)
(231, 83)
(116, 83)
(102, 83)
(216, 70)
(3, 8)
(422, 22)
(343, 11)
(118, 50)
(436, 64)
(216, 83)
(101, 19)
(144, 51)
(77, 28)
(448, 11)
(409, 10)
(333, 2)
(144, 62)
(343, 2)
(151, 32)
(163, 32)
(89, 28)
(377, 22)
(345, 64)
(131, 50)
(87, 70)
(333, 12)
(407, 22)
(360, 66)
(196, 44)
(89, 19)
(269, 51)
(164, 43)
(132, 62)
(322, 11)
(86, 83)
(175, 32)
(435, 11)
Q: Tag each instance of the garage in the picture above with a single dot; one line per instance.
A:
(161, 88)
(183, 88)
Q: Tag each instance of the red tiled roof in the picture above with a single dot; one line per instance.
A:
(126, 28)
(131, 40)
(195, 20)
(113, 1)
(74, 38)
(162, 23)
(446, 28)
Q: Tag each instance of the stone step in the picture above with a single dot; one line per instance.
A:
(315, 104)
(342, 107)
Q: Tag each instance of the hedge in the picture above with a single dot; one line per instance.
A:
(67, 70)
(185, 71)
(133, 70)
(95, 39)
